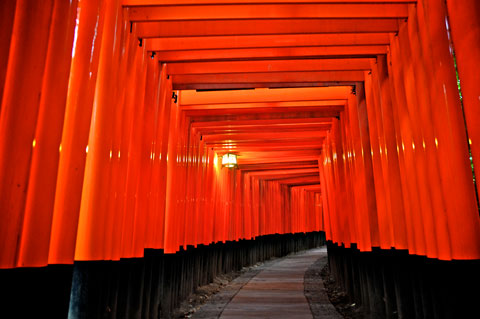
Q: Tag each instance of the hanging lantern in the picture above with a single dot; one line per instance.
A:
(229, 160)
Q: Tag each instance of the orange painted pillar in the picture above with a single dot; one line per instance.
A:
(152, 103)
(135, 105)
(325, 197)
(463, 218)
(465, 29)
(365, 156)
(390, 154)
(383, 211)
(350, 209)
(81, 89)
(37, 222)
(162, 151)
(407, 128)
(90, 244)
(420, 138)
(423, 72)
(359, 177)
(330, 191)
(18, 117)
(7, 13)
(171, 226)
(123, 126)
(143, 216)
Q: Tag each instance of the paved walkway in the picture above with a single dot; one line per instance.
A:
(274, 290)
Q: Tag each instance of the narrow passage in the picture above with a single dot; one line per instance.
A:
(276, 290)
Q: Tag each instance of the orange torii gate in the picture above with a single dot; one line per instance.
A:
(115, 114)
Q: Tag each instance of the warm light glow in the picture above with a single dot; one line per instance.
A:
(86, 149)
(229, 160)
(34, 143)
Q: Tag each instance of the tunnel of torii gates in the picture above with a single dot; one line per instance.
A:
(345, 117)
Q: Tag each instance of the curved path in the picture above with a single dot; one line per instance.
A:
(274, 290)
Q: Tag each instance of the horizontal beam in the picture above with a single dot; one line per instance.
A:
(266, 148)
(277, 160)
(275, 77)
(285, 172)
(259, 122)
(272, 130)
(233, 86)
(266, 66)
(265, 129)
(264, 136)
(264, 95)
(299, 181)
(267, 11)
(202, 115)
(196, 2)
(192, 28)
(266, 41)
(297, 104)
(266, 143)
(270, 53)
(292, 180)
(298, 145)
(279, 166)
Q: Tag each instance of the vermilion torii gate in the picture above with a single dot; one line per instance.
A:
(346, 117)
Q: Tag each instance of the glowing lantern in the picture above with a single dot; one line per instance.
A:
(229, 160)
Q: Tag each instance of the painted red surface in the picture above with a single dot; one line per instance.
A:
(114, 116)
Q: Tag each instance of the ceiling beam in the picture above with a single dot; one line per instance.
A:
(266, 41)
(233, 86)
(253, 106)
(265, 66)
(271, 53)
(264, 95)
(275, 77)
(196, 2)
(246, 11)
(192, 28)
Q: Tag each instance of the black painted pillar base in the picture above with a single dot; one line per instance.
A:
(394, 284)
(153, 286)
(35, 292)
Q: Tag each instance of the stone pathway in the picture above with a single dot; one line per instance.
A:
(274, 290)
